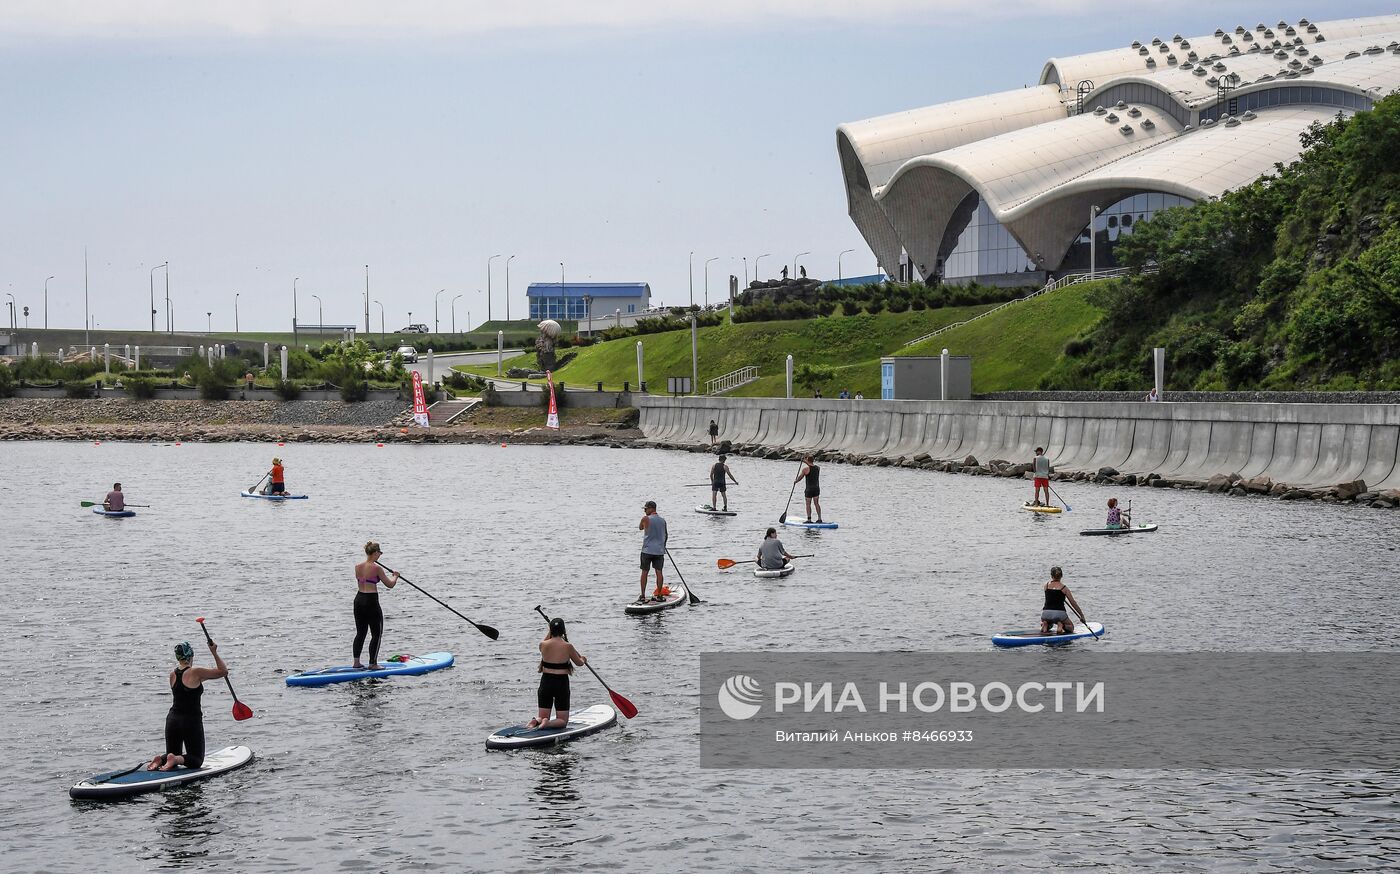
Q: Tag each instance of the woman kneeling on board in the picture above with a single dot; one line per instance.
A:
(1054, 614)
(369, 618)
(184, 724)
(557, 660)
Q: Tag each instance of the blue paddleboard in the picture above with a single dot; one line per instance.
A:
(422, 664)
(1031, 638)
(792, 524)
(113, 514)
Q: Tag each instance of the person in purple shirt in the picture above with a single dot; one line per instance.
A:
(115, 500)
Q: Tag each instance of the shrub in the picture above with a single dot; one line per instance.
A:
(352, 391)
(875, 305)
(75, 388)
(560, 396)
(288, 390)
(212, 389)
(7, 382)
(141, 388)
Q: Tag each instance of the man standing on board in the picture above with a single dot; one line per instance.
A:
(1041, 471)
(718, 471)
(653, 529)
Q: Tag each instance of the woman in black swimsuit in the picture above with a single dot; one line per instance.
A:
(184, 724)
(557, 660)
(369, 619)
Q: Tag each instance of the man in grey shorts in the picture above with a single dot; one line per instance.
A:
(654, 534)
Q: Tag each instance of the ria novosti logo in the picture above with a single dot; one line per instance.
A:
(740, 697)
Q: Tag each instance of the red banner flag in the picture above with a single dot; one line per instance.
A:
(552, 420)
(420, 404)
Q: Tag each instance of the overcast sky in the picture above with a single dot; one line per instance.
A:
(251, 142)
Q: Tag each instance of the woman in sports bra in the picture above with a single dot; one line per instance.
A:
(557, 660)
(369, 619)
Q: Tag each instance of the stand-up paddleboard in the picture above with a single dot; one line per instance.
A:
(711, 511)
(785, 570)
(1034, 509)
(1132, 529)
(583, 722)
(134, 781)
(1031, 638)
(113, 514)
(247, 494)
(641, 608)
(795, 524)
(397, 666)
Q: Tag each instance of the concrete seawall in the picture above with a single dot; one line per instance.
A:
(1304, 445)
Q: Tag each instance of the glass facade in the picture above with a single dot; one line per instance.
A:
(985, 248)
(569, 308)
(1114, 222)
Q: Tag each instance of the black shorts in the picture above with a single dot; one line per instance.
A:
(717, 487)
(277, 487)
(653, 561)
(554, 692)
(812, 493)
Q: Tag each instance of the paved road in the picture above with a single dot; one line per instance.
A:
(445, 361)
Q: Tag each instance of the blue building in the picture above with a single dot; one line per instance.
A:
(576, 300)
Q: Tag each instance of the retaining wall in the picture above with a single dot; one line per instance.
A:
(1302, 444)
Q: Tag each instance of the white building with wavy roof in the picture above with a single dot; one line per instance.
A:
(1002, 188)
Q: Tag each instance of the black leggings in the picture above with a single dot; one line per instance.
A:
(184, 736)
(554, 690)
(368, 619)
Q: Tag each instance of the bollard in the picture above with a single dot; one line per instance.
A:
(600, 385)
(500, 345)
(137, 360)
(943, 376)
(284, 363)
(429, 374)
(107, 357)
(789, 377)
(1159, 370)
(626, 386)
(640, 380)
(264, 356)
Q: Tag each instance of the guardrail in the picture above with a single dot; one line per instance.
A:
(1060, 282)
(731, 380)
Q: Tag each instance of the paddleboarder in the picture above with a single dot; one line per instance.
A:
(654, 536)
(772, 555)
(718, 471)
(557, 660)
(1053, 614)
(714, 432)
(369, 618)
(1040, 469)
(812, 490)
(115, 501)
(184, 724)
(278, 486)
(1116, 518)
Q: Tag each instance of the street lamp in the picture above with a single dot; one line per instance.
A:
(508, 260)
(488, 285)
(208, 323)
(707, 281)
(690, 271)
(838, 262)
(755, 264)
(166, 265)
(454, 314)
(588, 312)
(294, 309)
(1093, 241)
(366, 298)
(794, 263)
(46, 307)
(435, 302)
(13, 310)
(235, 312)
(381, 319)
(320, 319)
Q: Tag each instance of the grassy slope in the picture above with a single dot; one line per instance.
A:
(853, 344)
(1013, 348)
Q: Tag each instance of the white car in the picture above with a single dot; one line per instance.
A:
(408, 354)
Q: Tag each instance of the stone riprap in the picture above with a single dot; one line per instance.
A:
(1342, 452)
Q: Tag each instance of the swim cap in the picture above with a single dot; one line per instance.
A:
(184, 652)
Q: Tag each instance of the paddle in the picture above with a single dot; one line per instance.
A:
(792, 491)
(694, 599)
(1057, 495)
(627, 708)
(726, 563)
(99, 504)
(484, 629)
(241, 711)
(253, 490)
(1092, 633)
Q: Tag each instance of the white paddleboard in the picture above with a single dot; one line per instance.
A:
(581, 723)
(134, 781)
(711, 511)
(1032, 638)
(641, 608)
(785, 570)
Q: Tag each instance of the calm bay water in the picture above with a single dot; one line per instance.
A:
(392, 775)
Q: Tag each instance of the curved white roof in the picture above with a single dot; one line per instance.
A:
(1039, 167)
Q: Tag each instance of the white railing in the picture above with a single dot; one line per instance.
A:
(730, 381)
(1060, 282)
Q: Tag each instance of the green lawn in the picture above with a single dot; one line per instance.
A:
(853, 344)
(1013, 348)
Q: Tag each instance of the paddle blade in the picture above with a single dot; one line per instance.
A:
(726, 563)
(625, 707)
(488, 631)
(694, 598)
(87, 503)
(242, 711)
(782, 520)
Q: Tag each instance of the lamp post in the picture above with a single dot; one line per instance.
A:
(13, 310)
(294, 309)
(707, 281)
(488, 285)
(46, 306)
(208, 323)
(235, 312)
(435, 303)
(794, 263)
(755, 264)
(508, 260)
(320, 318)
(1093, 241)
(453, 305)
(588, 312)
(838, 262)
(153, 292)
(381, 319)
(691, 274)
(745, 259)
(366, 299)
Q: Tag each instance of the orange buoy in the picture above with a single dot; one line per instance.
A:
(503, 446)
(403, 430)
(97, 443)
(280, 443)
(380, 445)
